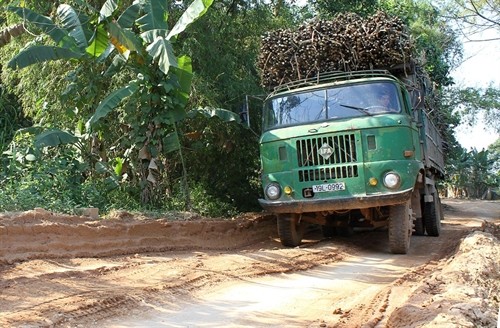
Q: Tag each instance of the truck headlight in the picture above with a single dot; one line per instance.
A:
(392, 180)
(273, 191)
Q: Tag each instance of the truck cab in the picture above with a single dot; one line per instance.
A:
(343, 151)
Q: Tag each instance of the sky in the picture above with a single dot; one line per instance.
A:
(480, 68)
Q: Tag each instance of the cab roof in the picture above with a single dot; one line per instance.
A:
(332, 78)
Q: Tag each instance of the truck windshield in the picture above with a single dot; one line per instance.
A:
(331, 104)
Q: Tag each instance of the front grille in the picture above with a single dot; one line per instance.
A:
(339, 172)
(342, 149)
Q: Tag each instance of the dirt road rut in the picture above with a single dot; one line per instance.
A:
(183, 271)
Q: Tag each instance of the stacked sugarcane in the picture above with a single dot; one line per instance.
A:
(347, 43)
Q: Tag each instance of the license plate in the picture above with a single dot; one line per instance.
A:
(329, 187)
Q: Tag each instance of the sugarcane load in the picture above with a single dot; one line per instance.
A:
(347, 139)
(347, 43)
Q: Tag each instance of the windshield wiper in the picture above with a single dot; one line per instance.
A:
(359, 109)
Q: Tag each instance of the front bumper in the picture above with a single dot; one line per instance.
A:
(337, 203)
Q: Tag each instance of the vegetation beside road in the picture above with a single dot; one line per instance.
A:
(133, 123)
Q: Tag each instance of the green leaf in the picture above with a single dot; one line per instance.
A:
(151, 35)
(111, 183)
(197, 9)
(162, 52)
(171, 143)
(32, 130)
(117, 63)
(176, 114)
(184, 73)
(155, 17)
(101, 168)
(223, 114)
(118, 167)
(44, 23)
(125, 37)
(71, 22)
(39, 54)
(85, 4)
(54, 138)
(110, 102)
(79, 128)
(167, 86)
(107, 10)
(129, 15)
(182, 78)
(99, 43)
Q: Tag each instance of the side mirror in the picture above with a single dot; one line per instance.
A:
(417, 99)
(245, 110)
(244, 114)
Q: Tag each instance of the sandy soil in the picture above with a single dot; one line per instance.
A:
(124, 270)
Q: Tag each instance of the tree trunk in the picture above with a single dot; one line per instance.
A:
(10, 32)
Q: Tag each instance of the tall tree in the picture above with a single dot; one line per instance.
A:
(474, 17)
(224, 47)
(471, 103)
(327, 9)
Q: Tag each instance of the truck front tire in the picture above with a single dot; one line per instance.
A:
(400, 228)
(290, 230)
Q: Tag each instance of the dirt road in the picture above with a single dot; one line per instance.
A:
(185, 271)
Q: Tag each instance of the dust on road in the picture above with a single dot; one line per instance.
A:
(68, 271)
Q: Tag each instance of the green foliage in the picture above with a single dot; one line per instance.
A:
(156, 99)
(197, 9)
(224, 159)
(40, 104)
(59, 187)
(54, 138)
(470, 174)
(111, 102)
(40, 54)
(27, 180)
(55, 178)
(471, 103)
(328, 9)
(436, 42)
(160, 99)
(224, 49)
(11, 118)
(45, 24)
(210, 205)
(494, 150)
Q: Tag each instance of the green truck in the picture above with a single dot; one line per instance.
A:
(352, 149)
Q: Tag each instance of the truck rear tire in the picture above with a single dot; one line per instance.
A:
(400, 228)
(432, 217)
(419, 229)
(328, 231)
(346, 231)
(419, 224)
(290, 230)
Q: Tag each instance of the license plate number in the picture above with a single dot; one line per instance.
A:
(327, 187)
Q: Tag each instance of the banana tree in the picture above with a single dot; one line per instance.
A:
(139, 39)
